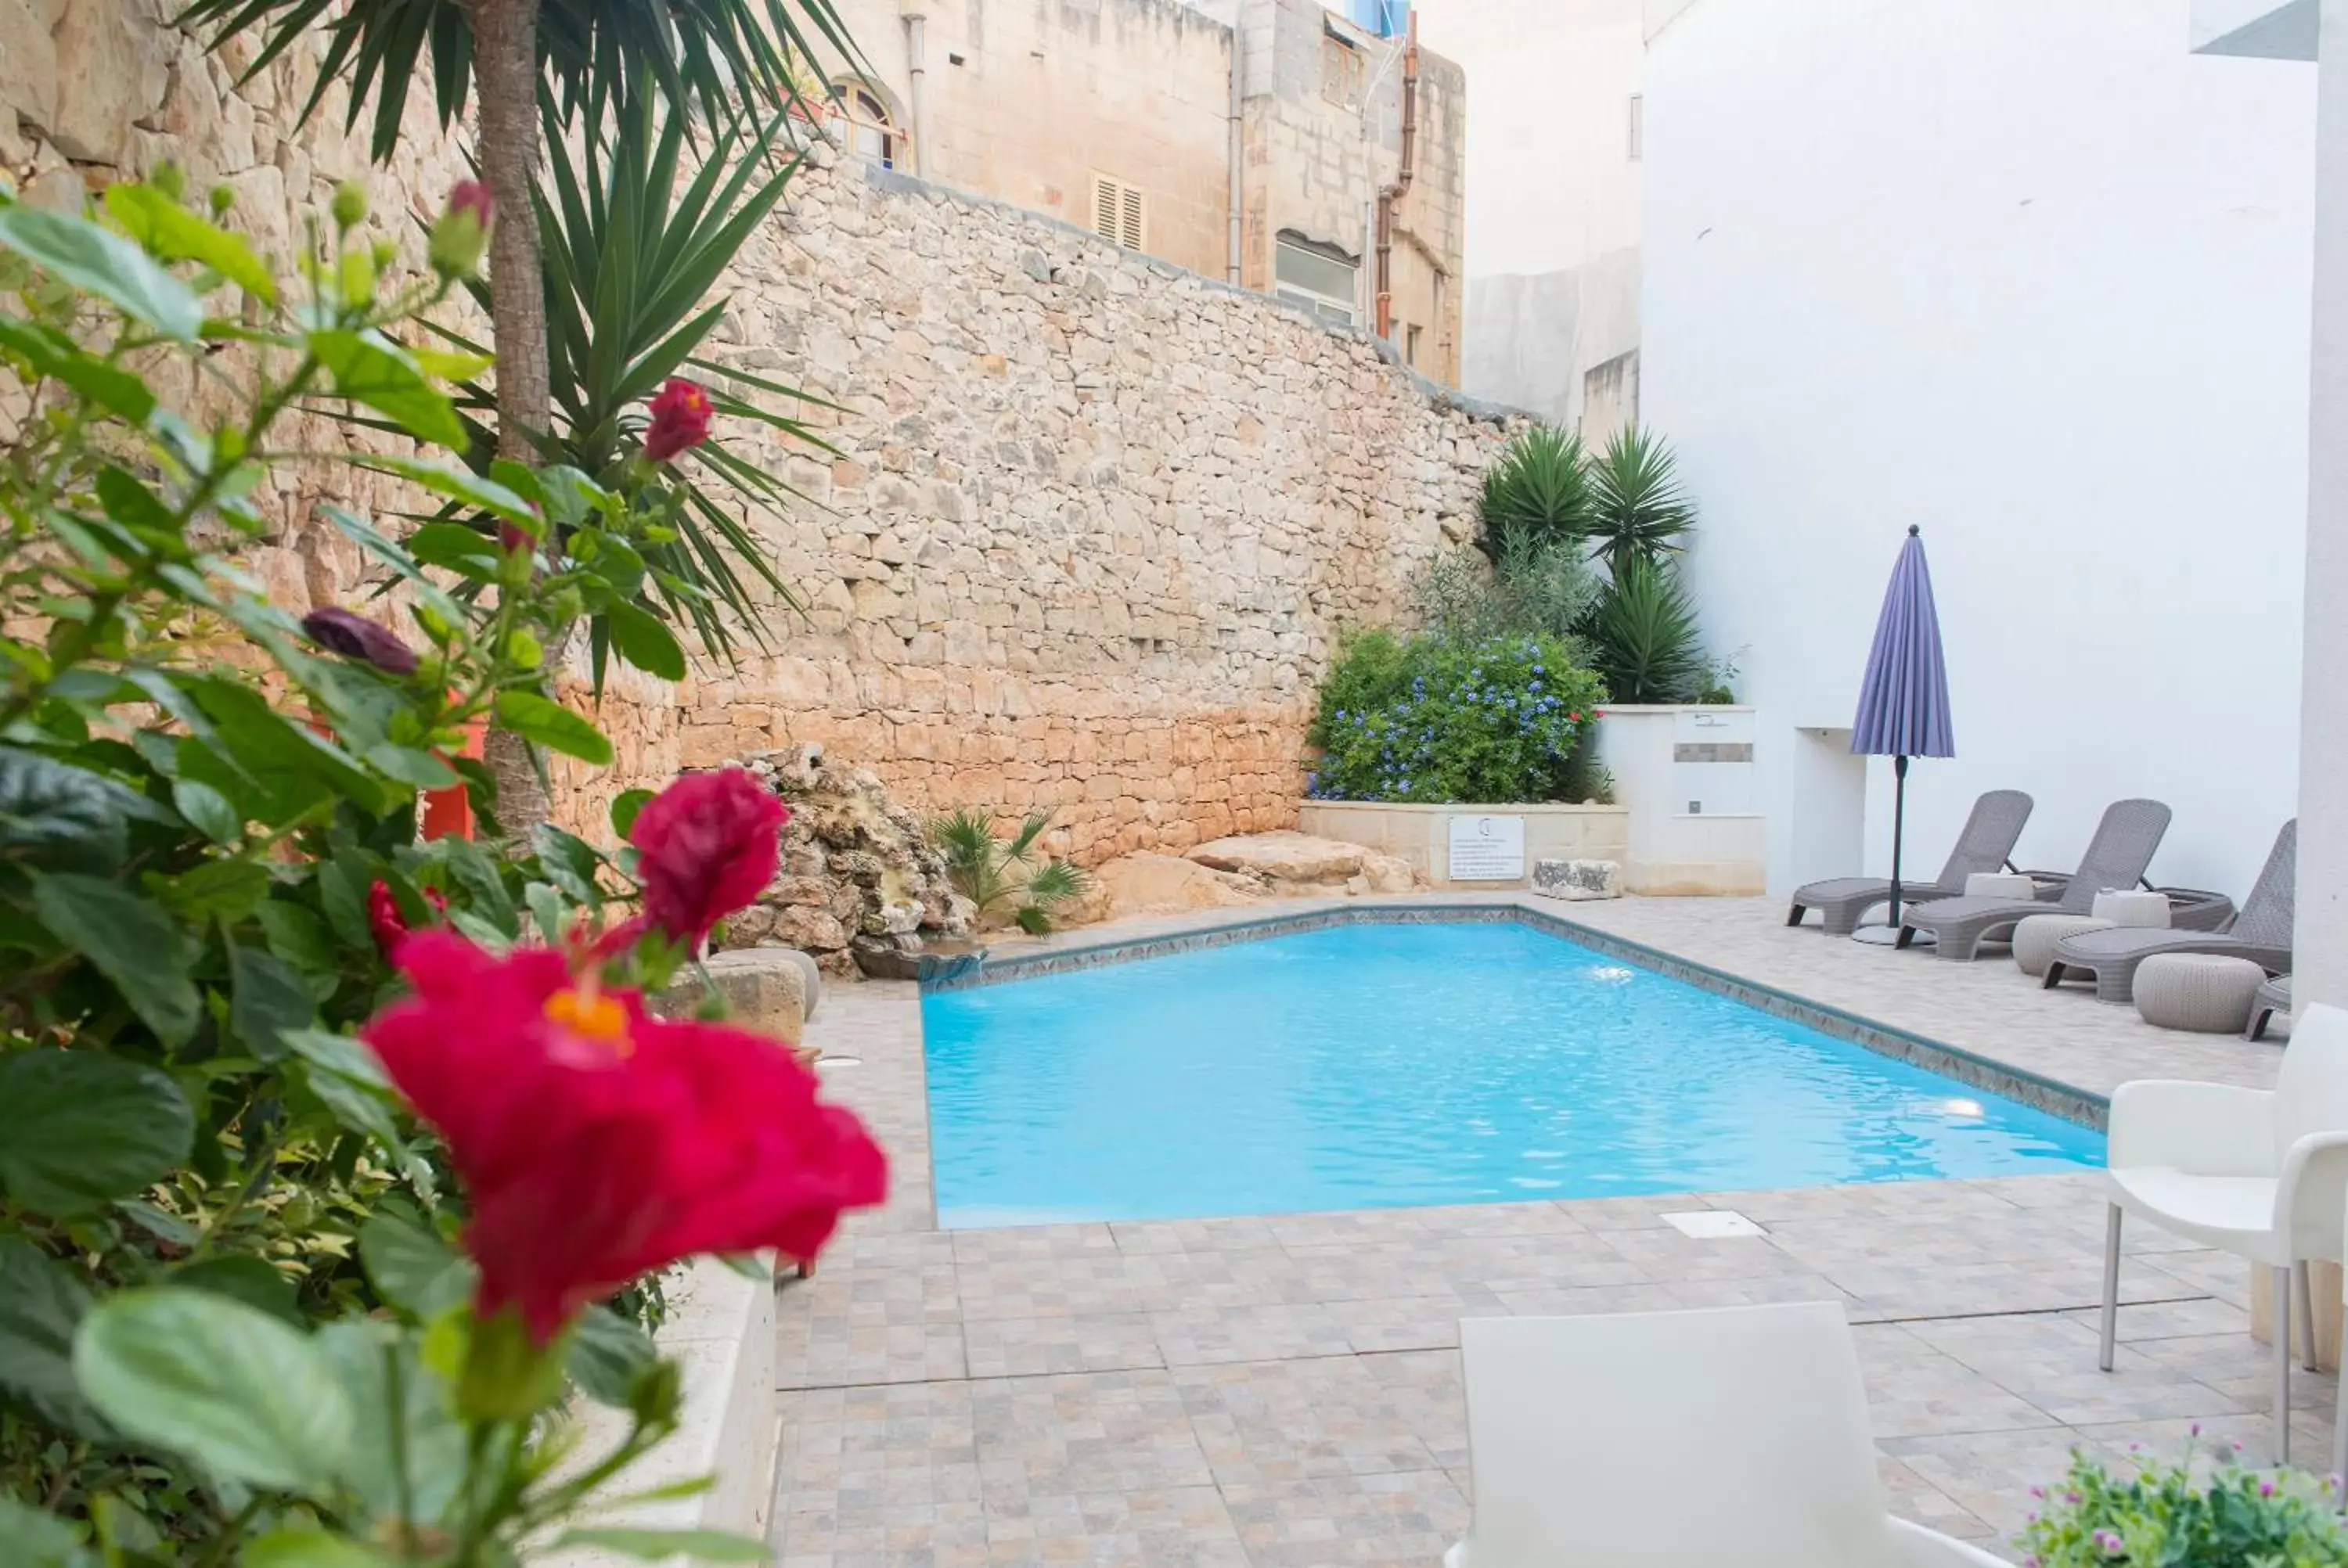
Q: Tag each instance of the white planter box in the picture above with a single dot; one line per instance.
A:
(1686, 774)
(721, 1328)
(1422, 834)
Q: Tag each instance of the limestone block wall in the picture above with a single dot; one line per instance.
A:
(1087, 526)
(1090, 527)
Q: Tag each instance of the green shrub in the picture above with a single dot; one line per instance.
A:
(1644, 636)
(1431, 718)
(1547, 592)
(2167, 1516)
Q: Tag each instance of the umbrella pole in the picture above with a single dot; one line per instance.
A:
(1899, 829)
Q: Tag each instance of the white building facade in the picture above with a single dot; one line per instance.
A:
(2034, 276)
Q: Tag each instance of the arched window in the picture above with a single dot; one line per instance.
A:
(872, 130)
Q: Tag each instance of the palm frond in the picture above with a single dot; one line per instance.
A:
(705, 57)
(1022, 843)
(1056, 882)
(1535, 495)
(1637, 508)
(1644, 637)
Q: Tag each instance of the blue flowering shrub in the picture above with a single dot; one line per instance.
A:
(1432, 719)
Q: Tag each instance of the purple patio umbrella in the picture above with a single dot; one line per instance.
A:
(1903, 703)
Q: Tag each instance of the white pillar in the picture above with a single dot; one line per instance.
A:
(2321, 966)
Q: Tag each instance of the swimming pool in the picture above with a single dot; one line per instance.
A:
(1375, 1066)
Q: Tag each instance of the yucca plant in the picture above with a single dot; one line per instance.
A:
(991, 871)
(1536, 495)
(1637, 509)
(631, 262)
(1644, 636)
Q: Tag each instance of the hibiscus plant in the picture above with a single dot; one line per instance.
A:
(320, 1144)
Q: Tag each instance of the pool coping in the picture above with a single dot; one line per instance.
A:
(1068, 953)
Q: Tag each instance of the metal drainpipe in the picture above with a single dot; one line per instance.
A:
(916, 26)
(1401, 187)
(1238, 151)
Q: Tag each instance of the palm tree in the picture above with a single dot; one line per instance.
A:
(707, 58)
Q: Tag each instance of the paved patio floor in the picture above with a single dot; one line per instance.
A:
(1285, 1390)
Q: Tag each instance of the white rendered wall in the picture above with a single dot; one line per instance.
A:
(2320, 971)
(1553, 203)
(2029, 275)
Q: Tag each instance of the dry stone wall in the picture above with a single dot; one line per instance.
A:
(1091, 526)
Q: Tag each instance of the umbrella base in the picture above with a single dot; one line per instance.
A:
(1888, 935)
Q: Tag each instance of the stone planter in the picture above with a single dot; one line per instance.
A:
(721, 1327)
(1423, 834)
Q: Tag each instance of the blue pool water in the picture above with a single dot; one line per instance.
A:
(1383, 1065)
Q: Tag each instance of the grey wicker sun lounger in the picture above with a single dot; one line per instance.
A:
(2272, 997)
(1984, 845)
(2261, 933)
(2116, 857)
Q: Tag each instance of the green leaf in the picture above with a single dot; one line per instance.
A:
(269, 996)
(547, 909)
(41, 1303)
(342, 894)
(132, 941)
(458, 485)
(299, 936)
(386, 381)
(456, 547)
(652, 1545)
(348, 1081)
(79, 1127)
(247, 1279)
(77, 252)
(412, 1268)
(39, 1539)
(249, 1398)
(47, 807)
(607, 1352)
(644, 643)
(626, 808)
(409, 766)
(169, 230)
(418, 1463)
(549, 724)
(308, 1547)
(450, 367)
(569, 862)
(209, 812)
(216, 887)
(53, 355)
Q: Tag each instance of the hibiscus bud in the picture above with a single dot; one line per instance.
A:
(680, 420)
(384, 918)
(350, 204)
(707, 845)
(353, 636)
(462, 232)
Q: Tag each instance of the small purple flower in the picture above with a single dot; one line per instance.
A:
(2110, 1542)
(2266, 1489)
(353, 636)
(2194, 1430)
(2038, 1491)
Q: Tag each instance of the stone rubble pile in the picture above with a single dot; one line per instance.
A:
(859, 887)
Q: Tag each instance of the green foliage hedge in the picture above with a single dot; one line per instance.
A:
(1434, 719)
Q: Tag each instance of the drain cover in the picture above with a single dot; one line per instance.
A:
(1713, 1225)
(840, 1061)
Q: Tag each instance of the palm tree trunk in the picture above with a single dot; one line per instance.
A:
(505, 86)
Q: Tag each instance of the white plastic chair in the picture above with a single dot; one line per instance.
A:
(2258, 1172)
(1679, 1439)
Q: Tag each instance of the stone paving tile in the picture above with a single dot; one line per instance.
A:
(1084, 1432)
(1405, 1517)
(1162, 1527)
(1190, 1336)
(1274, 1422)
(1628, 1213)
(1209, 1236)
(1907, 1494)
(1087, 1342)
(1914, 1390)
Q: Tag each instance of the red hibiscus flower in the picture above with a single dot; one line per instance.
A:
(596, 1143)
(680, 419)
(461, 232)
(706, 847)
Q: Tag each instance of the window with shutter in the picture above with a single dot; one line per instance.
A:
(1120, 212)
